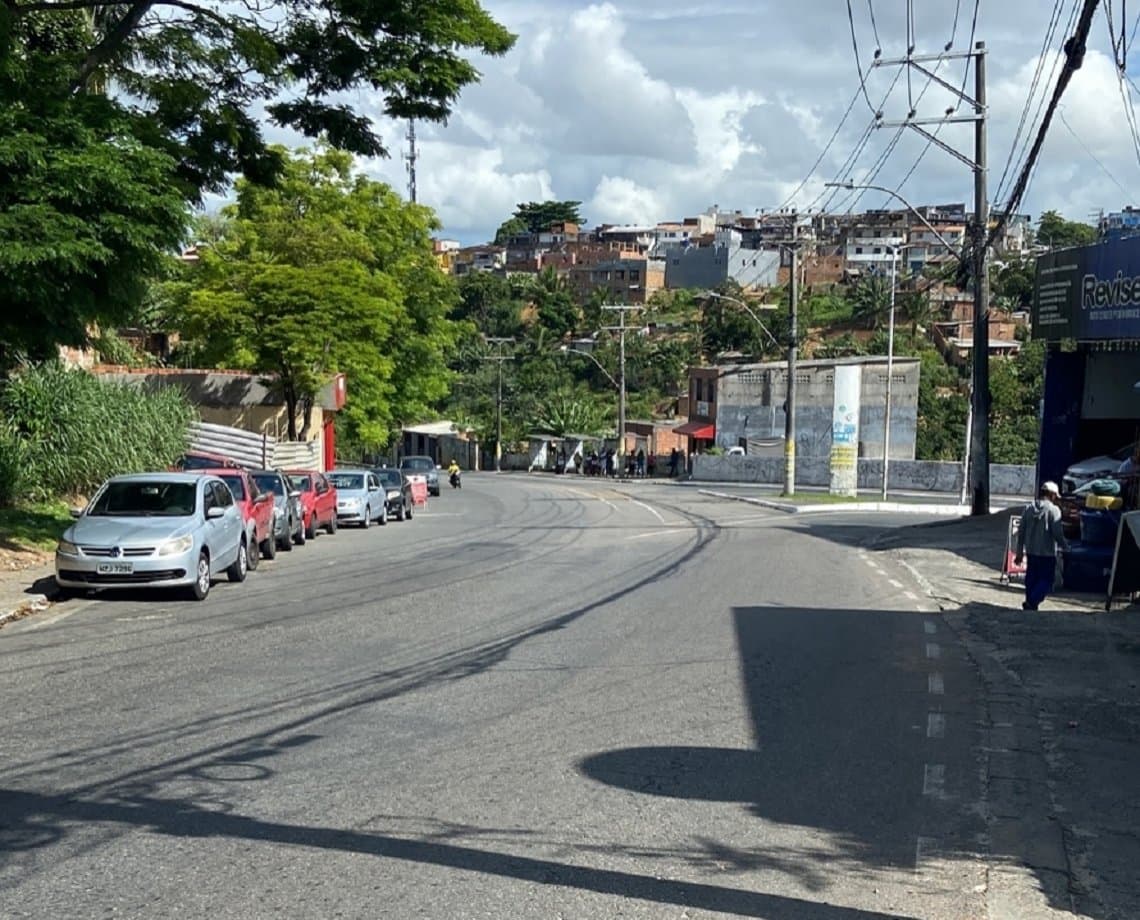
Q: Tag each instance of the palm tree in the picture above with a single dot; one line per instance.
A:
(870, 299)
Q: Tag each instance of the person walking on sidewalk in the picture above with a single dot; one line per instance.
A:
(1039, 537)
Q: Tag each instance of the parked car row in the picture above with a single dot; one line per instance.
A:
(185, 528)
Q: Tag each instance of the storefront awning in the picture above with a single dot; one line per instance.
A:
(702, 431)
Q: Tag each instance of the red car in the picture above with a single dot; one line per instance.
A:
(195, 460)
(318, 501)
(256, 511)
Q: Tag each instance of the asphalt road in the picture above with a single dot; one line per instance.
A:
(542, 698)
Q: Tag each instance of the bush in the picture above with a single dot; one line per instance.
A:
(75, 430)
(11, 467)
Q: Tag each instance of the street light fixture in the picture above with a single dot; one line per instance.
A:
(566, 349)
(747, 309)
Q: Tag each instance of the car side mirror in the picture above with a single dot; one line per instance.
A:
(262, 497)
(76, 512)
(212, 514)
(294, 494)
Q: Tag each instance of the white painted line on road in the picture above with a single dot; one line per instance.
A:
(659, 533)
(910, 595)
(896, 584)
(650, 509)
(934, 780)
(935, 725)
(933, 650)
(872, 563)
(934, 684)
(930, 627)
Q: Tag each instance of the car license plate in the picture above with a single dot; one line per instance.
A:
(115, 568)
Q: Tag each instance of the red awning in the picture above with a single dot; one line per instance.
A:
(702, 431)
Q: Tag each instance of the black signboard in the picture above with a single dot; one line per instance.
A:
(1091, 293)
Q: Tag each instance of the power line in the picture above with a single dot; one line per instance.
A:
(1075, 49)
(858, 66)
(954, 26)
(1092, 156)
(874, 25)
(1050, 31)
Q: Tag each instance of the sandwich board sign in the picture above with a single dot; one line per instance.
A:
(1125, 577)
(1009, 567)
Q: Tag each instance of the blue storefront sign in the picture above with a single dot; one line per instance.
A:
(1090, 294)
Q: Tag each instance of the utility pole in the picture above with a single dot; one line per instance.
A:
(621, 309)
(790, 389)
(978, 451)
(411, 157)
(499, 358)
(979, 455)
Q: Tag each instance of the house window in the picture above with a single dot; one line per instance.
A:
(676, 261)
(700, 389)
(858, 250)
(712, 391)
(634, 274)
(620, 274)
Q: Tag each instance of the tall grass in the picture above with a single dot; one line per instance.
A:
(73, 430)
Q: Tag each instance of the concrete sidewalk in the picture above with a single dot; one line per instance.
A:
(26, 590)
(1058, 730)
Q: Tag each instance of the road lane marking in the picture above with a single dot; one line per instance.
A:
(650, 509)
(659, 533)
(933, 650)
(930, 627)
(935, 725)
(910, 596)
(895, 583)
(934, 684)
(934, 780)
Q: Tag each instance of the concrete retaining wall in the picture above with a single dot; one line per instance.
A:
(905, 475)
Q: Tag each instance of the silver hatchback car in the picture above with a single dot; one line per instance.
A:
(177, 530)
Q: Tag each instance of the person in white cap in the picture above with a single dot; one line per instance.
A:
(1039, 537)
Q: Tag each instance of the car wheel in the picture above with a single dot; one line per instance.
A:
(311, 529)
(269, 547)
(400, 513)
(201, 587)
(383, 519)
(332, 524)
(367, 517)
(434, 492)
(240, 567)
(409, 511)
(252, 555)
(287, 541)
(301, 536)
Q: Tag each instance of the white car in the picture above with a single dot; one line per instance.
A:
(178, 530)
(360, 499)
(1099, 467)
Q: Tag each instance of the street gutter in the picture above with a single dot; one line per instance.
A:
(889, 507)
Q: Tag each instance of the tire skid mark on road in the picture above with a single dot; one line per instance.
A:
(366, 686)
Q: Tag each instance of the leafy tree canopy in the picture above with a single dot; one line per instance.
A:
(201, 71)
(328, 272)
(536, 216)
(1057, 233)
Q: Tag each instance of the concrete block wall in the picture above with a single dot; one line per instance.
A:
(905, 475)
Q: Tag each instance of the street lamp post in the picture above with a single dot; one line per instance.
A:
(747, 309)
(499, 358)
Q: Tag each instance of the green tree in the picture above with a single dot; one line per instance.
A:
(1013, 283)
(328, 272)
(536, 216)
(87, 203)
(557, 311)
(490, 302)
(870, 300)
(113, 118)
(1016, 386)
(1057, 233)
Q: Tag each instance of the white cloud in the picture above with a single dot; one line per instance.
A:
(650, 114)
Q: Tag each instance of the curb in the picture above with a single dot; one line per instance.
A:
(886, 507)
(33, 604)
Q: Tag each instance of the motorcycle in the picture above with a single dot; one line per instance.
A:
(456, 483)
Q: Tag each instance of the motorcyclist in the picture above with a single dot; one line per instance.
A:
(453, 472)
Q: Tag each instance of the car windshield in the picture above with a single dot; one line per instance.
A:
(301, 483)
(390, 478)
(146, 499)
(417, 463)
(1124, 453)
(270, 482)
(237, 487)
(347, 480)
